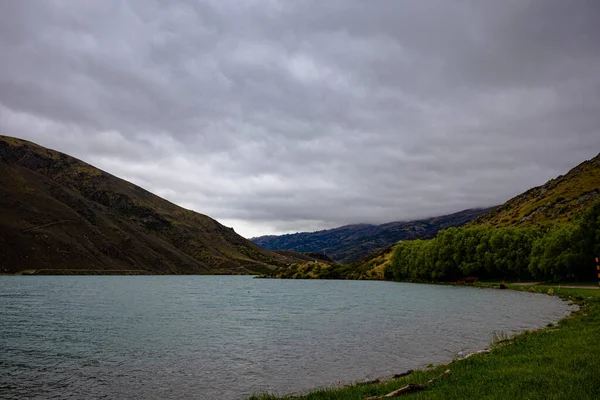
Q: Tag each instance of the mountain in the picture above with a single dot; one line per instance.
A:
(350, 243)
(556, 201)
(61, 215)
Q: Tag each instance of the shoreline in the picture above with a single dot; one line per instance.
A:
(374, 388)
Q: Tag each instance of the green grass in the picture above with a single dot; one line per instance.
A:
(561, 362)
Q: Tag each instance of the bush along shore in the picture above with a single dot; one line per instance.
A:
(553, 252)
(558, 362)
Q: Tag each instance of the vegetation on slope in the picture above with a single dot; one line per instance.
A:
(350, 243)
(559, 200)
(561, 252)
(59, 214)
(371, 267)
(559, 362)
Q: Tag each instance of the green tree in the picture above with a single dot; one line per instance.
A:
(556, 255)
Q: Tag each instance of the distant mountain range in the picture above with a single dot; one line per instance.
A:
(61, 215)
(350, 243)
(558, 200)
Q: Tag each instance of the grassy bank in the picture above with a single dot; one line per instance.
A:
(561, 362)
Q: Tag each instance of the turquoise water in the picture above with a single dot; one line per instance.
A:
(226, 337)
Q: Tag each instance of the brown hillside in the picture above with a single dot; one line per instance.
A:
(61, 215)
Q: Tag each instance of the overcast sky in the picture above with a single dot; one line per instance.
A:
(282, 116)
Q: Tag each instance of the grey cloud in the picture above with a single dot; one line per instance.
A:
(282, 116)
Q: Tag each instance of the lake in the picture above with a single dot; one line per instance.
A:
(227, 337)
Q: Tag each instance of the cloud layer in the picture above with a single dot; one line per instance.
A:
(276, 116)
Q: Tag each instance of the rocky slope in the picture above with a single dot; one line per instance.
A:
(61, 215)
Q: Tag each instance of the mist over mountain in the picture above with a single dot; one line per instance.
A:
(350, 243)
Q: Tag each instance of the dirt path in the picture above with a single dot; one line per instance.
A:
(578, 287)
(567, 286)
(526, 283)
(33, 228)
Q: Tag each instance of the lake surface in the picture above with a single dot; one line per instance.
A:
(226, 337)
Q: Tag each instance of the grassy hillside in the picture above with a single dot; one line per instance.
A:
(371, 267)
(350, 243)
(556, 201)
(61, 215)
(550, 232)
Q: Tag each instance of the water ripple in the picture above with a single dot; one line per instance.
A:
(228, 337)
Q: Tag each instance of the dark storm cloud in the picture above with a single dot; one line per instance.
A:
(274, 116)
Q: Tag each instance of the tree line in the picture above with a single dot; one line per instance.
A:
(558, 252)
